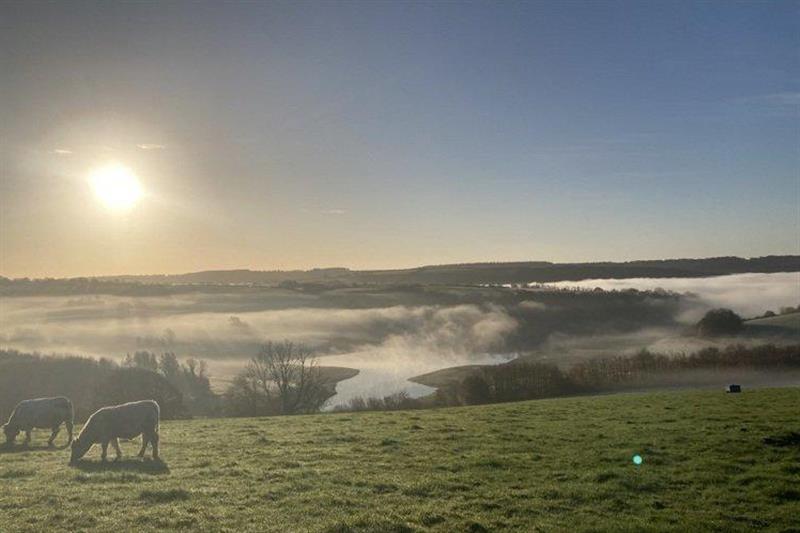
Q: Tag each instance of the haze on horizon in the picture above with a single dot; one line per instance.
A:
(146, 138)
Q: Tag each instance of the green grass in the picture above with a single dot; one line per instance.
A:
(789, 322)
(549, 465)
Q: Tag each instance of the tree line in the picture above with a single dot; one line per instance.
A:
(190, 378)
(528, 380)
(531, 380)
(285, 378)
(89, 383)
(281, 379)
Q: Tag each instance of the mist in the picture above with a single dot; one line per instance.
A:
(395, 339)
(400, 337)
(747, 294)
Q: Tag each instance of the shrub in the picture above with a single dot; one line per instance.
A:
(719, 322)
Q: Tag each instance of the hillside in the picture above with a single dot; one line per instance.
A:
(788, 324)
(551, 465)
(476, 273)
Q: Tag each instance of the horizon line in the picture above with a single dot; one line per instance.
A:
(402, 269)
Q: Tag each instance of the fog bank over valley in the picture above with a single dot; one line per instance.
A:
(747, 294)
(393, 333)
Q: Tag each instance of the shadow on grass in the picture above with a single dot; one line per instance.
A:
(791, 438)
(140, 466)
(19, 448)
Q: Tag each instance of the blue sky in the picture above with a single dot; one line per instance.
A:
(377, 134)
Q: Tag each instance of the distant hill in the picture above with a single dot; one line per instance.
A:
(477, 273)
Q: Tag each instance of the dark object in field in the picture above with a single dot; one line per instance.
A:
(44, 413)
(126, 421)
(733, 388)
(789, 439)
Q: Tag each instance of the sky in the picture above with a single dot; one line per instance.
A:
(283, 135)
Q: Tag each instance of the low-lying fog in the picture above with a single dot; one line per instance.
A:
(747, 294)
(388, 344)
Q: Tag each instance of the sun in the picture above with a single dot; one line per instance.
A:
(116, 186)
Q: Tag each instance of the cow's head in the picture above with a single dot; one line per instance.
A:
(79, 449)
(11, 433)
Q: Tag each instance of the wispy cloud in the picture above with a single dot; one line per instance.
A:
(62, 151)
(334, 211)
(151, 146)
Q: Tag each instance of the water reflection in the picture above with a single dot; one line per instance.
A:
(381, 374)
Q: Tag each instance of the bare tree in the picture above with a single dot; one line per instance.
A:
(289, 374)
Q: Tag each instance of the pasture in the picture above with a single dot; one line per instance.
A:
(547, 465)
(787, 325)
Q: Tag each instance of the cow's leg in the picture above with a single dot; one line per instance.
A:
(53, 436)
(145, 440)
(103, 455)
(154, 445)
(115, 444)
(27, 438)
(68, 423)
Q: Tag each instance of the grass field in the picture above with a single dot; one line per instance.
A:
(548, 465)
(787, 324)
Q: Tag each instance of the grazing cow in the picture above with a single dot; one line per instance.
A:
(125, 421)
(41, 413)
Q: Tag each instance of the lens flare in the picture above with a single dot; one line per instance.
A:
(637, 459)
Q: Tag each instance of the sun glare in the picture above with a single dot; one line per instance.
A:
(116, 186)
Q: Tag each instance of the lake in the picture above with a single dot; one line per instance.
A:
(381, 374)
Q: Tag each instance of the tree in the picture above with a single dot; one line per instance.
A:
(285, 376)
(476, 389)
(169, 367)
(143, 359)
(133, 384)
(719, 322)
(243, 399)
(189, 378)
(196, 387)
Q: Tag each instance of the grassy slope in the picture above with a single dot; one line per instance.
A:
(790, 321)
(546, 465)
(778, 329)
